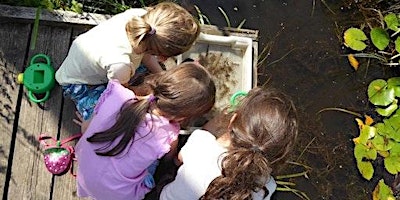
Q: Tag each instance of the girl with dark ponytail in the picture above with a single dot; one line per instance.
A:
(239, 164)
(118, 151)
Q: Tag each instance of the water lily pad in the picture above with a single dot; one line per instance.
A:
(380, 38)
(381, 143)
(379, 94)
(366, 169)
(366, 133)
(393, 125)
(361, 151)
(392, 22)
(354, 37)
(392, 164)
(382, 192)
(395, 151)
(389, 110)
(397, 44)
(394, 83)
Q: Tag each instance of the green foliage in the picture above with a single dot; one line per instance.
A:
(382, 191)
(379, 93)
(383, 43)
(380, 38)
(72, 5)
(392, 21)
(354, 38)
(381, 138)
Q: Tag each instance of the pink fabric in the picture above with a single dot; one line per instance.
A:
(121, 176)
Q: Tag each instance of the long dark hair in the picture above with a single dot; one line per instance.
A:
(183, 92)
(262, 134)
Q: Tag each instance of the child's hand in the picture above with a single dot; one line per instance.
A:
(80, 122)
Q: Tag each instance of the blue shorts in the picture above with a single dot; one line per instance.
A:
(85, 97)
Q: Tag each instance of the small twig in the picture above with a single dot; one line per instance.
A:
(241, 23)
(292, 175)
(281, 58)
(305, 148)
(341, 110)
(225, 16)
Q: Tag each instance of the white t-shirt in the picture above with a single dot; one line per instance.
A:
(201, 156)
(101, 54)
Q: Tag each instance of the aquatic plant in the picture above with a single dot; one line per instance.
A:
(383, 43)
(380, 139)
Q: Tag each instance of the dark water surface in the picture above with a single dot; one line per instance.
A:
(306, 61)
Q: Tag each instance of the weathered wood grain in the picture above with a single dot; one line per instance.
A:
(55, 16)
(12, 55)
(30, 179)
(65, 186)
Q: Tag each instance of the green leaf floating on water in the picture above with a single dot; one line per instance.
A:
(379, 94)
(361, 151)
(397, 44)
(354, 37)
(389, 110)
(366, 169)
(394, 83)
(366, 133)
(392, 22)
(389, 128)
(380, 38)
(392, 164)
(395, 151)
(382, 192)
(382, 143)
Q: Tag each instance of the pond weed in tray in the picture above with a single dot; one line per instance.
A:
(229, 60)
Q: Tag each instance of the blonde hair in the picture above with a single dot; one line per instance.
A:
(166, 29)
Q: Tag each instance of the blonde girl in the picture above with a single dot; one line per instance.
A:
(115, 48)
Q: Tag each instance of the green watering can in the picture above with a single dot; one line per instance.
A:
(38, 78)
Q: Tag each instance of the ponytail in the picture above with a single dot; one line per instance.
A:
(242, 174)
(262, 134)
(131, 114)
(167, 29)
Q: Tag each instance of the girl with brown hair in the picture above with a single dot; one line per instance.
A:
(239, 164)
(121, 143)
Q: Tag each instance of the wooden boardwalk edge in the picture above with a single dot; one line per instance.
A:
(55, 16)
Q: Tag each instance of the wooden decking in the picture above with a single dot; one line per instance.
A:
(23, 174)
(22, 171)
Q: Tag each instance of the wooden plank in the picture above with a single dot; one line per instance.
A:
(55, 16)
(30, 179)
(12, 55)
(65, 186)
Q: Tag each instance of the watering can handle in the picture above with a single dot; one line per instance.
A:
(34, 99)
(40, 55)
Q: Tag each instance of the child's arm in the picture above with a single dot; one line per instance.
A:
(151, 63)
(84, 124)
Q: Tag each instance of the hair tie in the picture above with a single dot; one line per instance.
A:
(255, 149)
(152, 31)
(151, 98)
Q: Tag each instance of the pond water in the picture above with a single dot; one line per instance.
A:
(306, 61)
